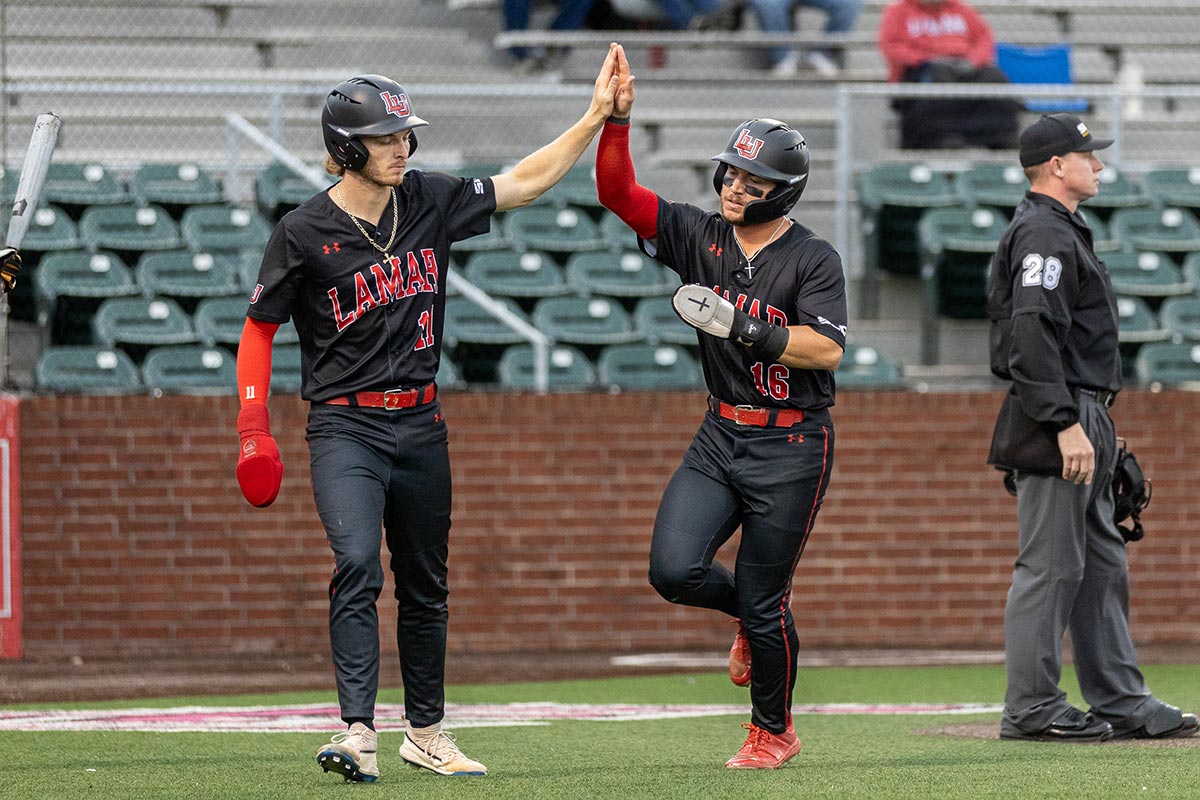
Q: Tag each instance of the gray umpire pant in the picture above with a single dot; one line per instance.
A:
(1071, 574)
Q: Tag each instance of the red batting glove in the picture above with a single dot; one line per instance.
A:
(259, 469)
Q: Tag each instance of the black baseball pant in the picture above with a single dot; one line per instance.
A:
(771, 482)
(380, 473)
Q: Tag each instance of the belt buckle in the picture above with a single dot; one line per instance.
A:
(737, 417)
(394, 399)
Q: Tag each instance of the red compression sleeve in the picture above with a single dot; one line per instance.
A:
(254, 361)
(617, 186)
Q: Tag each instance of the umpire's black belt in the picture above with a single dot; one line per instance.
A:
(756, 416)
(1103, 396)
(391, 399)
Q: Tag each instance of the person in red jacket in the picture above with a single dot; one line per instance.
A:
(913, 33)
(935, 41)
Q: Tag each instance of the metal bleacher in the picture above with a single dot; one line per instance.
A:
(150, 82)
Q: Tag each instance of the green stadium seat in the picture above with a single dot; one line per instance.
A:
(1180, 316)
(568, 369)
(865, 367)
(137, 324)
(190, 369)
(449, 376)
(641, 366)
(80, 369)
(892, 198)
(188, 277)
(494, 239)
(1172, 364)
(627, 274)
(1145, 274)
(278, 190)
(1103, 239)
(577, 188)
(220, 229)
(656, 322)
(1191, 270)
(174, 186)
(1137, 323)
(956, 249)
(584, 321)
(1168, 230)
(219, 321)
(616, 234)
(553, 230)
(467, 322)
(1179, 187)
(1117, 190)
(513, 274)
(1000, 186)
(77, 186)
(129, 230)
(249, 263)
(50, 230)
(286, 375)
(71, 286)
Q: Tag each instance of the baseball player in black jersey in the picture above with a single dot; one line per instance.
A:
(768, 299)
(1054, 335)
(361, 270)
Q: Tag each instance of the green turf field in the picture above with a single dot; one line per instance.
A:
(852, 756)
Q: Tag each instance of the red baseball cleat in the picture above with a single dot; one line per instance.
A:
(765, 750)
(739, 658)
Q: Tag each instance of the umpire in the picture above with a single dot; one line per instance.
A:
(1054, 336)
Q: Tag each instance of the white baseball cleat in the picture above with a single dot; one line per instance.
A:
(352, 754)
(704, 309)
(440, 754)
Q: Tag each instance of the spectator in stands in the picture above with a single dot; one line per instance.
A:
(683, 15)
(936, 41)
(778, 16)
(570, 17)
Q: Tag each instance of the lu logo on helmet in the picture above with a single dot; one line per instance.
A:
(747, 145)
(396, 104)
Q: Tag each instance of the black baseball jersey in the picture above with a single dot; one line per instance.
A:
(795, 280)
(1053, 311)
(366, 325)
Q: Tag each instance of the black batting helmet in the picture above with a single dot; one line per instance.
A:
(769, 149)
(365, 105)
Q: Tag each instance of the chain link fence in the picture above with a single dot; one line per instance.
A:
(145, 85)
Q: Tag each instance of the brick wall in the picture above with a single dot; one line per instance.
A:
(136, 538)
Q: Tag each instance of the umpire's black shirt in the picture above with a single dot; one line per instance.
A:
(1054, 329)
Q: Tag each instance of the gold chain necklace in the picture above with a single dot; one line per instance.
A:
(750, 259)
(386, 249)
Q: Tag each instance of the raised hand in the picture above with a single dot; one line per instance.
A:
(623, 101)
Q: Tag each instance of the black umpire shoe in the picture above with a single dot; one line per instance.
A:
(1168, 722)
(1073, 726)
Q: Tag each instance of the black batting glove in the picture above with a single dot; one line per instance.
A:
(10, 265)
(707, 311)
(765, 339)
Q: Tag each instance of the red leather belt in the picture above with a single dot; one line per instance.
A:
(755, 416)
(392, 399)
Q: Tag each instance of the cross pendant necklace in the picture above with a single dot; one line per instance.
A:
(750, 259)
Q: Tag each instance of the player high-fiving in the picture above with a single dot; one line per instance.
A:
(767, 298)
(361, 269)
